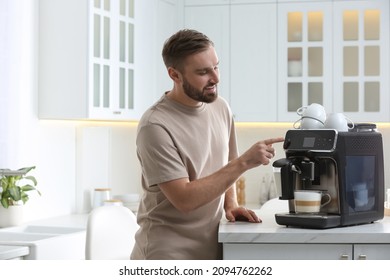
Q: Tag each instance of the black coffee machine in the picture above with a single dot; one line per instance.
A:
(346, 165)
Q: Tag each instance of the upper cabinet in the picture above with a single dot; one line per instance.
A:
(195, 13)
(245, 37)
(87, 59)
(335, 53)
(361, 50)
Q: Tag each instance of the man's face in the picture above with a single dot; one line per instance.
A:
(201, 76)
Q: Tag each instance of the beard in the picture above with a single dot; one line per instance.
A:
(198, 95)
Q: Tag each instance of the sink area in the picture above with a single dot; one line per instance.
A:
(46, 242)
(43, 229)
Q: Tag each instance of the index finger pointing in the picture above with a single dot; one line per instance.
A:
(273, 140)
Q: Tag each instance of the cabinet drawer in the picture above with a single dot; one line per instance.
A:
(371, 251)
(287, 251)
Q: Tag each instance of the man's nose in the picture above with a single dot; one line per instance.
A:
(215, 76)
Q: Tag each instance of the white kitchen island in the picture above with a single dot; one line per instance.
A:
(270, 241)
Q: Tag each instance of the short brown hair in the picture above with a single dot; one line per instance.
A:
(182, 44)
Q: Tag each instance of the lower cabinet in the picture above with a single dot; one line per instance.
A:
(250, 251)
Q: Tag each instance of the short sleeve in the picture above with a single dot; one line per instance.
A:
(158, 155)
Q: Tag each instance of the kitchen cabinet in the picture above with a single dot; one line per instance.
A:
(87, 59)
(167, 17)
(268, 240)
(335, 53)
(218, 32)
(307, 251)
(244, 33)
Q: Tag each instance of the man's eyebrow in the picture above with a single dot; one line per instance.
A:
(207, 68)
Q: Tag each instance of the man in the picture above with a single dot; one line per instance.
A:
(186, 144)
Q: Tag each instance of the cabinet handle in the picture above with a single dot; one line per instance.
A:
(344, 257)
(362, 257)
(117, 112)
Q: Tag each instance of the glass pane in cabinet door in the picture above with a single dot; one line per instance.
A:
(371, 25)
(351, 25)
(131, 8)
(294, 65)
(96, 85)
(315, 23)
(294, 96)
(294, 26)
(130, 43)
(315, 61)
(315, 93)
(130, 89)
(106, 86)
(371, 61)
(106, 38)
(107, 5)
(122, 41)
(97, 3)
(351, 61)
(351, 97)
(371, 97)
(96, 36)
(122, 88)
(122, 7)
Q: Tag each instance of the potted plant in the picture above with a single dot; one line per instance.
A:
(14, 188)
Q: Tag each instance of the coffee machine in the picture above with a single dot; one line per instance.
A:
(346, 165)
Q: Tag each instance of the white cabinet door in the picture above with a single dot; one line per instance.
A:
(245, 40)
(361, 60)
(86, 59)
(335, 53)
(371, 252)
(304, 57)
(214, 22)
(248, 251)
(253, 67)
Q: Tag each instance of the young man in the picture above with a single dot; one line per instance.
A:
(186, 144)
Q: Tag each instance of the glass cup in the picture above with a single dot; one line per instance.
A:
(308, 201)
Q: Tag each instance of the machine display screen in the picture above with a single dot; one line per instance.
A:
(308, 142)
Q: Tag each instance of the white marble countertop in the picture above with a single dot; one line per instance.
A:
(13, 252)
(270, 232)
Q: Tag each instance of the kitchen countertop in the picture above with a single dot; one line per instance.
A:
(270, 232)
(13, 252)
(18, 251)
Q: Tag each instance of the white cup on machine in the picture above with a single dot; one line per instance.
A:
(312, 117)
(338, 121)
(309, 201)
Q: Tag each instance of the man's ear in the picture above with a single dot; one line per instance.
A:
(174, 74)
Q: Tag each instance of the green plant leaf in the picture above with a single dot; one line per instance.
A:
(15, 193)
(4, 202)
(31, 178)
(13, 188)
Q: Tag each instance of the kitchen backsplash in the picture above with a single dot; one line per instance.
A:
(106, 157)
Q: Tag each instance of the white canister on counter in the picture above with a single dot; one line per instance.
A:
(100, 195)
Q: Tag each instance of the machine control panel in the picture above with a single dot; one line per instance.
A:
(323, 140)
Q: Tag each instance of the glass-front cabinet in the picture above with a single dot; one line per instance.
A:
(335, 53)
(86, 62)
(361, 82)
(113, 27)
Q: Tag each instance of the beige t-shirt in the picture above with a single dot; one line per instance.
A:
(175, 141)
